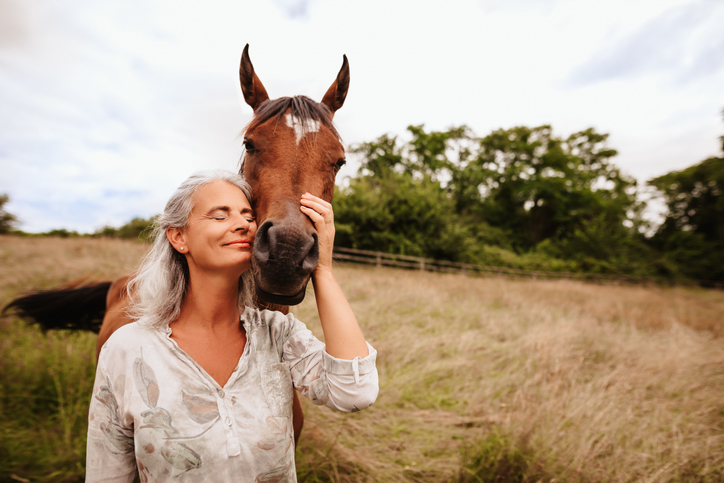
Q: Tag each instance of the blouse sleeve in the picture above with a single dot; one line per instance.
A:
(344, 385)
(110, 452)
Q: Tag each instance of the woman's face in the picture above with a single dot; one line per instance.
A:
(221, 229)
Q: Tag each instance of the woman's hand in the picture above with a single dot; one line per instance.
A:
(321, 214)
(342, 334)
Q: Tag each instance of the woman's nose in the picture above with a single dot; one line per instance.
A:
(241, 224)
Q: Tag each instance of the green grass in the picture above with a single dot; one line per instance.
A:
(45, 385)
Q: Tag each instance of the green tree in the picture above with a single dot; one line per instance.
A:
(540, 187)
(137, 228)
(513, 188)
(692, 235)
(8, 221)
(396, 213)
(403, 199)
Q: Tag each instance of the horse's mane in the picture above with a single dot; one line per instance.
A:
(302, 107)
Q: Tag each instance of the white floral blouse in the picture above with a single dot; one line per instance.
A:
(156, 411)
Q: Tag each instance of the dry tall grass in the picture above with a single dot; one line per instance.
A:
(582, 382)
(486, 378)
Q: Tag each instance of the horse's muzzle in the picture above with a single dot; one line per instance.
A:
(285, 254)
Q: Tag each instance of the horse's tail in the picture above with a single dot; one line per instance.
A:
(74, 306)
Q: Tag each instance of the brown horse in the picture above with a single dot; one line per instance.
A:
(291, 147)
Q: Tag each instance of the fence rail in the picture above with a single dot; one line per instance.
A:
(380, 259)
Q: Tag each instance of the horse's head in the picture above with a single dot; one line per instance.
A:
(291, 147)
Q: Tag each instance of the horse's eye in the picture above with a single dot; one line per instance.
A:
(340, 162)
(249, 146)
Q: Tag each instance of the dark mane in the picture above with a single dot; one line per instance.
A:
(302, 107)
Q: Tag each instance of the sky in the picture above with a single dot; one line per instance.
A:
(105, 107)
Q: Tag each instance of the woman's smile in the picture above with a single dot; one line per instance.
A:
(240, 244)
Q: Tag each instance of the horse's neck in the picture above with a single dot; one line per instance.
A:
(269, 306)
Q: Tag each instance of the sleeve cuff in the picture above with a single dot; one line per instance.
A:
(355, 367)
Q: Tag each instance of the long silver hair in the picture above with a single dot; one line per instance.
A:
(158, 288)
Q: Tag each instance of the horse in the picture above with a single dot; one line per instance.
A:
(290, 147)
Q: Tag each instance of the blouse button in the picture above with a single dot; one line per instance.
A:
(228, 421)
(221, 393)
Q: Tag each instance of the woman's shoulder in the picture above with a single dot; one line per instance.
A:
(128, 338)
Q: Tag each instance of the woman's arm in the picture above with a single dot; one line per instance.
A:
(342, 333)
(110, 447)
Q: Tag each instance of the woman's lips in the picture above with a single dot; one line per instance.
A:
(240, 243)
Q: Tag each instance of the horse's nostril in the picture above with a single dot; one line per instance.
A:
(309, 263)
(262, 242)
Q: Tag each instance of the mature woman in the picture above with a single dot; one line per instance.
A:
(200, 387)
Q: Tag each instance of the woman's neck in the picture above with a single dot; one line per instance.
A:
(211, 302)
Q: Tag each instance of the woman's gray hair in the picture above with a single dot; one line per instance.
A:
(158, 288)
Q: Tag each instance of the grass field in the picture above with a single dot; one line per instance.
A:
(482, 379)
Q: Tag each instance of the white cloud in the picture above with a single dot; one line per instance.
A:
(684, 41)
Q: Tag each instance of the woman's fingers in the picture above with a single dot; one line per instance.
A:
(316, 218)
(317, 207)
(321, 214)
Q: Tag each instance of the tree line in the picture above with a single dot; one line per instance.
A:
(520, 197)
(526, 198)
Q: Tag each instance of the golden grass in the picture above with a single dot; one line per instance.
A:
(41, 263)
(589, 382)
(485, 378)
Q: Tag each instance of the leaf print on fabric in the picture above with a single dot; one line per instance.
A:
(115, 435)
(294, 352)
(278, 435)
(112, 428)
(119, 385)
(297, 348)
(143, 473)
(108, 399)
(274, 476)
(158, 418)
(145, 381)
(181, 456)
(200, 410)
(276, 384)
(319, 390)
(315, 386)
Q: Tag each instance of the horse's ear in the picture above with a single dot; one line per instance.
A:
(251, 86)
(337, 92)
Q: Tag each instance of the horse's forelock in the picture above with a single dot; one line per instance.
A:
(302, 107)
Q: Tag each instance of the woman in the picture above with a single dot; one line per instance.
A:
(200, 387)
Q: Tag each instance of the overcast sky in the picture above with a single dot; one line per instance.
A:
(105, 107)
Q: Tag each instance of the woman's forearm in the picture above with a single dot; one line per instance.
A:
(342, 334)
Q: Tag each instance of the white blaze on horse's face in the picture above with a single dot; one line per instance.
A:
(302, 126)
